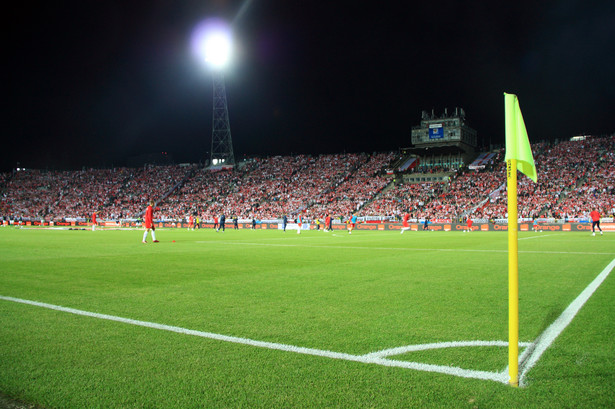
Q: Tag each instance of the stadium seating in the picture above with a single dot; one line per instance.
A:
(574, 177)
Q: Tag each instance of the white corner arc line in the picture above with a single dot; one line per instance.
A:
(549, 335)
(371, 358)
(440, 345)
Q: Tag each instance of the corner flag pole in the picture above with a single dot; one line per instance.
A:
(518, 157)
(513, 275)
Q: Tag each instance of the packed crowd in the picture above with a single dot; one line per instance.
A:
(573, 178)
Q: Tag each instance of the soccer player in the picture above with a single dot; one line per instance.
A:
(353, 222)
(148, 223)
(284, 222)
(469, 223)
(94, 221)
(216, 225)
(222, 222)
(404, 223)
(328, 222)
(595, 221)
(190, 222)
(299, 220)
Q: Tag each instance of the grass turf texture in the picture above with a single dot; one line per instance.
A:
(354, 294)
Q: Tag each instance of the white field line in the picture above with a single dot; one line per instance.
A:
(335, 247)
(531, 355)
(535, 237)
(377, 358)
(549, 335)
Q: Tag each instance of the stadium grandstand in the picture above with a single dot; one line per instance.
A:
(575, 176)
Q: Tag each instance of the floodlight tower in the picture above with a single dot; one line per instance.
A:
(221, 142)
(212, 42)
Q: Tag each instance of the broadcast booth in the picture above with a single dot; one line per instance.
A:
(440, 144)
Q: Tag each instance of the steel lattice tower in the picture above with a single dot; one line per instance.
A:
(221, 142)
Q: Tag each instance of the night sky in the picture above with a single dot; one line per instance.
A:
(95, 83)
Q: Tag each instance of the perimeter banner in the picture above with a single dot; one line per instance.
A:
(386, 226)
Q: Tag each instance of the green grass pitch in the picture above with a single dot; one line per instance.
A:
(348, 294)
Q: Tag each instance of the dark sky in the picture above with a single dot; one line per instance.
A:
(93, 83)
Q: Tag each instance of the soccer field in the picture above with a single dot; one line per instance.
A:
(270, 319)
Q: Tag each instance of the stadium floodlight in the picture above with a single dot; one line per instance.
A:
(212, 42)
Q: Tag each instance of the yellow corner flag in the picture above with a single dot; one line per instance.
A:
(517, 141)
(518, 157)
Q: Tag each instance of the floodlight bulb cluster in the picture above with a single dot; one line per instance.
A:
(212, 42)
(217, 49)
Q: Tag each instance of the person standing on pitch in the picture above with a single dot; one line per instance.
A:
(328, 222)
(469, 224)
(222, 221)
(352, 223)
(94, 222)
(148, 223)
(284, 222)
(595, 221)
(404, 224)
(299, 220)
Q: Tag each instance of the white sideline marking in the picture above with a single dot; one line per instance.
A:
(531, 355)
(334, 247)
(549, 335)
(535, 237)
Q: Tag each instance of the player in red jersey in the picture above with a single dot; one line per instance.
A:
(352, 222)
(94, 221)
(148, 223)
(595, 221)
(328, 222)
(190, 222)
(404, 223)
(469, 224)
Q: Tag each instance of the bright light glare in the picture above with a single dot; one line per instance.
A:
(212, 42)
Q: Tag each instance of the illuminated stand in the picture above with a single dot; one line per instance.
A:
(212, 42)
